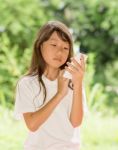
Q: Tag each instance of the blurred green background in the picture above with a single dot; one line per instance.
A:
(94, 25)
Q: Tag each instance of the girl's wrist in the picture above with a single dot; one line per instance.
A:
(59, 95)
(77, 86)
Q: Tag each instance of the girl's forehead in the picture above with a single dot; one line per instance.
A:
(56, 37)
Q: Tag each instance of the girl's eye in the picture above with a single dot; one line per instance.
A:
(66, 48)
(53, 44)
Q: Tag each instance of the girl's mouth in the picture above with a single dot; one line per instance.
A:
(57, 59)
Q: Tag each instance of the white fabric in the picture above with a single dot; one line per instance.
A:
(56, 133)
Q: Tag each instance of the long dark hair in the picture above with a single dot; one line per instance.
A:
(38, 64)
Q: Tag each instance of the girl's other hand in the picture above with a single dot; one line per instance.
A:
(62, 84)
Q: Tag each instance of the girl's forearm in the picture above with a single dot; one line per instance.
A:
(36, 119)
(76, 114)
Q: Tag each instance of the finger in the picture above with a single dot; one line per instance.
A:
(76, 63)
(66, 80)
(61, 75)
(69, 70)
(61, 72)
(72, 67)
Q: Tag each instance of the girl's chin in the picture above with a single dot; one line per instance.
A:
(57, 64)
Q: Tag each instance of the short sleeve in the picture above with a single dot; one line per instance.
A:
(23, 98)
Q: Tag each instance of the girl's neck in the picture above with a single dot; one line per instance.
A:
(51, 74)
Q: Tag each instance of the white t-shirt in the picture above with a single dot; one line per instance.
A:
(56, 133)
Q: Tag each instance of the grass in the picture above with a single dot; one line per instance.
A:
(97, 133)
(12, 132)
(100, 133)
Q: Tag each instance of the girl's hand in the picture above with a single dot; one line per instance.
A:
(62, 84)
(77, 70)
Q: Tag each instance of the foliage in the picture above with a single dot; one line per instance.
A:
(17, 30)
(94, 24)
(94, 27)
(101, 98)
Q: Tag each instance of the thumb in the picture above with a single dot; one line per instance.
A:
(61, 72)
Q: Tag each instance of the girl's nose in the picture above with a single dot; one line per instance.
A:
(59, 51)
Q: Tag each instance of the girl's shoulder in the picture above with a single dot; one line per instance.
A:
(27, 79)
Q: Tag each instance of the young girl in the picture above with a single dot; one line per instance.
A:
(51, 105)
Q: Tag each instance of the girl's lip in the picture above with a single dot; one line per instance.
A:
(57, 59)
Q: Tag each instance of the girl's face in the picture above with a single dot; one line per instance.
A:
(55, 51)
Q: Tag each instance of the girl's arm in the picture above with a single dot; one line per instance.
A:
(77, 70)
(76, 114)
(35, 119)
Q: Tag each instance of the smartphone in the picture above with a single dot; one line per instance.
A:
(77, 57)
